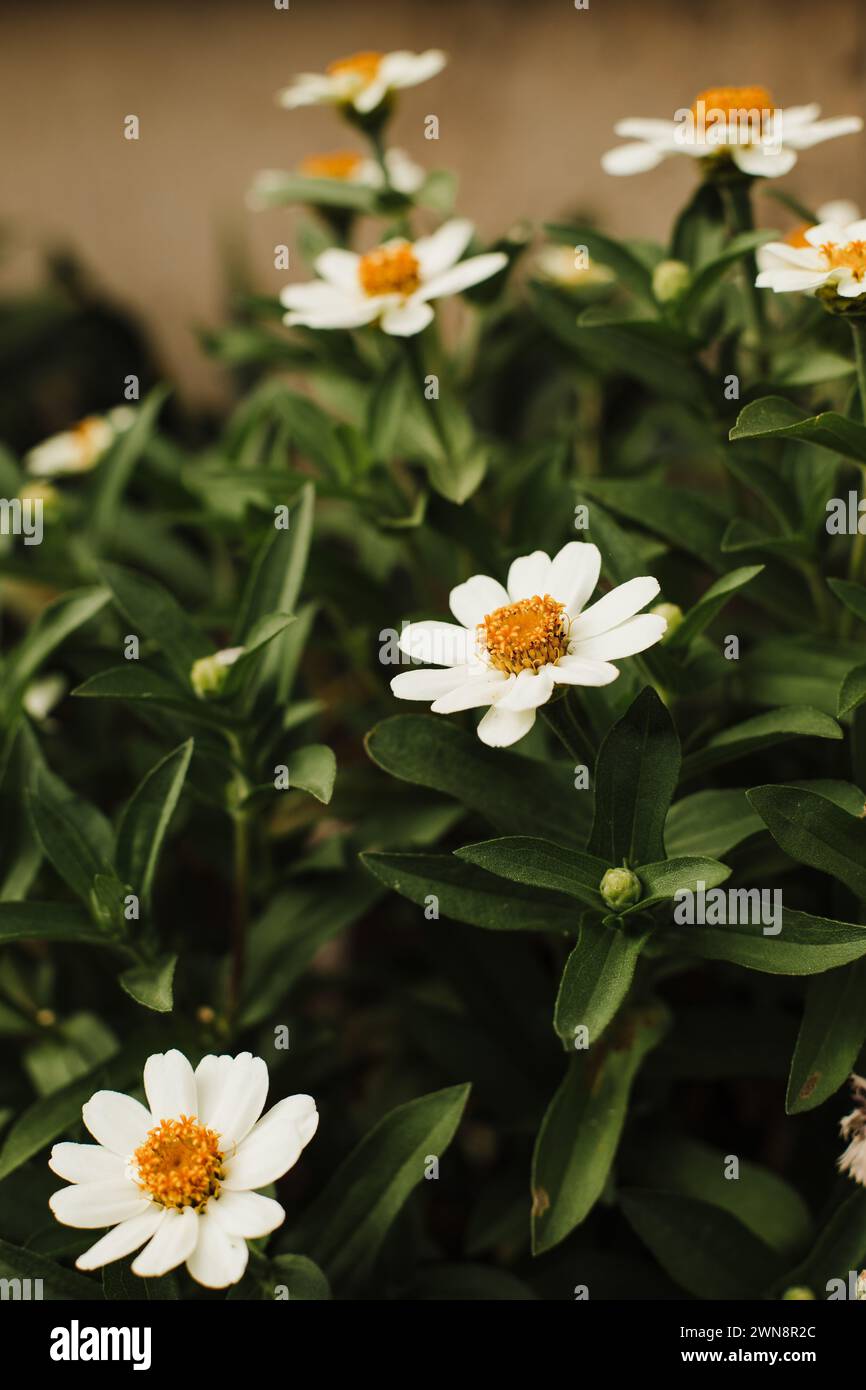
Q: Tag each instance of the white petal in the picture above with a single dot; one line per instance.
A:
(174, 1241)
(461, 276)
(440, 644)
(762, 162)
(621, 603)
(231, 1094)
(85, 1163)
(856, 230)
(349, 315)
(122, 1239)
(246, 1214)
(308, 89)
(801, 257)
(317, 296)
(574, 572)
(794, 116)
(443, 248)
(481, 690)
(850, 288)
(428, 685)
(575, 670)
(827, 231)
(101, 1203)
(528, 691)
(785, 281)
(635, 158)
(274, 1146)
(805, 138)
(405, 320)
(371, 95)
(658, 132)
(529, 575)
(340, 268)
(472, 600)
(840, 210)
(218, 1259)
(630, 637)
(169, 1085)
(117, 1121)
(500, 728)
(404, 69)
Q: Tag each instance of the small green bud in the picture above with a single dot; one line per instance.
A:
(672, 614)
(620, 888)
(670, 280)
(209, 674)
(798, 1293)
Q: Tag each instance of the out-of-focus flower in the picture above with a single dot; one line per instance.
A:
(179, 1176)
(853, 1128)
(738, 124)
(45, 493)
(79, 449)
(210, 673)
(390, 285)
(515, 644)
(42, 695)
(569, 267)
(672, 614)
(831, 254)
(343, 166)
(670, 280)
(839, 211)
(363, 80)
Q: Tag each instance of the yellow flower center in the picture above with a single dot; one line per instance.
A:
(180, 1163)
(526, 635)
(342, 164)
(363, 66)
(852, 257)
(390, 270)
(731, 101)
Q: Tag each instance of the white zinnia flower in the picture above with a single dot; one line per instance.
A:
(514, 645)
(343, 166)
(391, 284)
(830, 253)
(77, 450)
(181, 1173)
(853, 1128)
(362, 81)
(840, 211)
(740, 123)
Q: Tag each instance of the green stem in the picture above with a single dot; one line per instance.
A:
(561, 716)
(240, 907)
(737, 200)
(857, 554)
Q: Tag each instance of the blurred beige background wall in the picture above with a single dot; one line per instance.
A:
(526, 108)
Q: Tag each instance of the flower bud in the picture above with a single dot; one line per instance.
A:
(672, 614)
(670, 280)
(210, 673)
(620, 888)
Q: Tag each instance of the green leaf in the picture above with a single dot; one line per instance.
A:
(345, 1227)
(286, 188)
(48, 922)
(274, 586)
(155, 613)
(388, 404)
(852, 691)
(581, 1129)
(761, 731)
(264, 632)
(686, 519)
(73, 835)
(840, 1248)
(806, 945)
(57, 1284)
(852, 595)
(121, 1285)
(708, 275)
(815, 831)
(152, 984)
(635, 777)
(146, 819)
(703, 1248)
(540, 864)
(831, 1034)
(115, 471)
(302, 1279)
(596, 980)
(709, 605)
(771, 1209)
(313, 768)
(710, 822)
(60, 1112)
(772, 417)
(468, 894)
(517, 795)
(53, 626)
(629, 270)
(672, 876)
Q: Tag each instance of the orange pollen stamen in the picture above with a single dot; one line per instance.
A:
(733, 101)
(852, 257)
(390, 270)
(362, 65)
(526, 635)
(342, 164)
(180, 1163)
